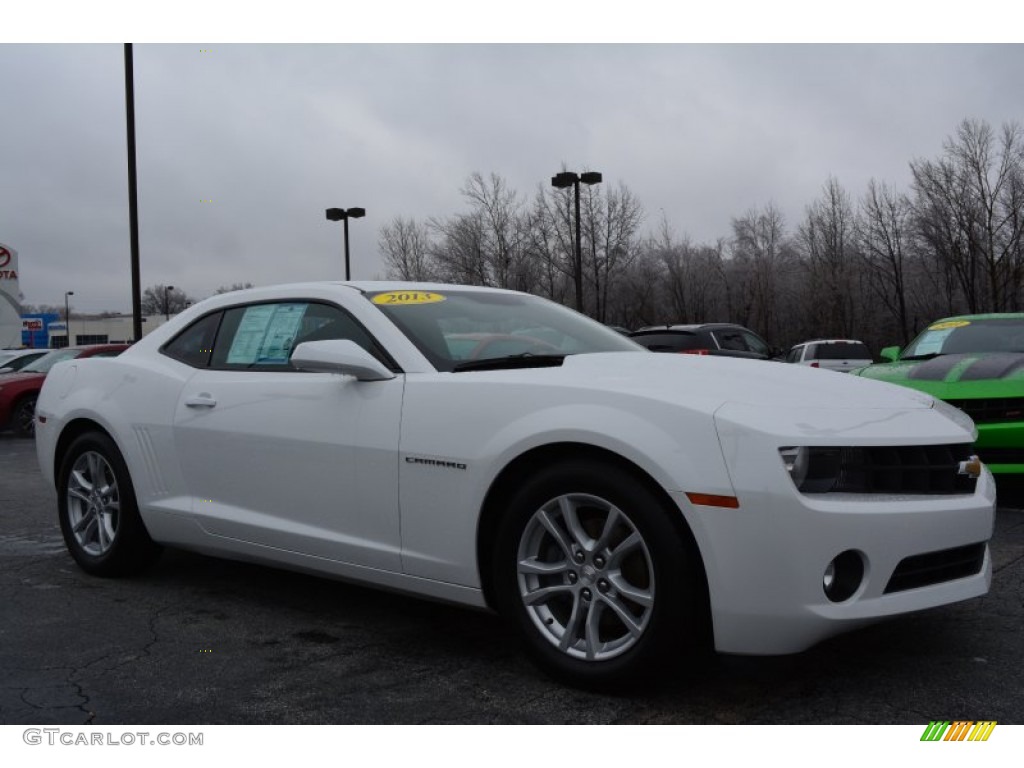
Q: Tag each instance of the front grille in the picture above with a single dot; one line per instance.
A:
(936, 568)
(910, 469)
(992, 410)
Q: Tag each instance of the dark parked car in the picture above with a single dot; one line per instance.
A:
(705, 339)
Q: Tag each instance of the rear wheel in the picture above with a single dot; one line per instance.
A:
(99, 518)
(23, 419)
(591, 569)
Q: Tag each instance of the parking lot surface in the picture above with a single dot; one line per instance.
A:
(202, 641)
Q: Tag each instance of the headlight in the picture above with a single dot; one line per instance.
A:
(796, 461)
(813, 470)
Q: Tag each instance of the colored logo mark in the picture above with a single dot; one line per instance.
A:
(958, 730)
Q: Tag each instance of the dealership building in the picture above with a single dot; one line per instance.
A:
(49, 331)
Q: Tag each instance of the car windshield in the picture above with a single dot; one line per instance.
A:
(47, 361)
(951, 337)
(462, 329)
(841, 350)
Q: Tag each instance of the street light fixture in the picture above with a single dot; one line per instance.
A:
(67, 315)
(342, 214)
(167, 302)
(564, 180)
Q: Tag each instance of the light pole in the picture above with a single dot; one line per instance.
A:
(562, 181)
(167, 302)
(342, 214)
(67, 316)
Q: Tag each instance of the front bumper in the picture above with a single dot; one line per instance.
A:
(766, 560)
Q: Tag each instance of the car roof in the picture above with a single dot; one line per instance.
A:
(830, 341)
(690, 327)
(984, 316)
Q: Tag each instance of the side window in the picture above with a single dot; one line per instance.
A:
(794, 355)
(262, 336)
(755, 344)
(194, 345)
(731, 340)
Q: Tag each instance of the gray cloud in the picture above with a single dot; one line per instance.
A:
(274, 134)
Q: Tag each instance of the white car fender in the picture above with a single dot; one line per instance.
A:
(447, 469)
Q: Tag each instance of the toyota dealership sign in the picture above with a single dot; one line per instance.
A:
(10, 298)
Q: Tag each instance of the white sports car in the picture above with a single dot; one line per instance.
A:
(494, 449)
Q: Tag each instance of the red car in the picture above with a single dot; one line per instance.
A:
(18, 391)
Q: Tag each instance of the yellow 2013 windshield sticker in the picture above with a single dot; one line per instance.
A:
(949, 324)
(398, 298)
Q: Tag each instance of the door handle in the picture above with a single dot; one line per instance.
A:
(200, 401)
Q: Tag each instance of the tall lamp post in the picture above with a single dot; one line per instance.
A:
(67, 315)
(564, 180)
(343, 214)
(167, 302)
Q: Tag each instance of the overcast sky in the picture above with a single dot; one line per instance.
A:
(273, 134)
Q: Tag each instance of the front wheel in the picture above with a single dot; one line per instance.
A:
(99, 518)
(601, 583)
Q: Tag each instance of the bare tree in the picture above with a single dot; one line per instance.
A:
(610, 224)
(969, 206)
(487, 245)
(405, 248)
(884, 232)
(827, 239)
(160, 300)
(762, 258)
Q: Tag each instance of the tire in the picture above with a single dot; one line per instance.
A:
(99, 517)
(604, 587)
(23, 419)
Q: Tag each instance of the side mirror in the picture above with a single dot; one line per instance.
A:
(339, 356)
(890, 353)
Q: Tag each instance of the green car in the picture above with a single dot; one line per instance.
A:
(975, 362)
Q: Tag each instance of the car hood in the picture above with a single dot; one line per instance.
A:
(995, 374)
(706, 381)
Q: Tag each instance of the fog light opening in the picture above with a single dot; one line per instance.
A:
(843, 576)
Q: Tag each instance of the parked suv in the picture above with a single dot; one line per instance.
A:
(705, 339)
(832, 354)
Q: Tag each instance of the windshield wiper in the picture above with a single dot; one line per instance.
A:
(522, 360)
(929, 356)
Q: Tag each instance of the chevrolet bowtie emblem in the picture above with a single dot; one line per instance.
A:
(970, 467)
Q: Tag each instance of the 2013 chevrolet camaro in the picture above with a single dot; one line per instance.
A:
(620, 508)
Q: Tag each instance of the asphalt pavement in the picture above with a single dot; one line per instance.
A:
(198, 640)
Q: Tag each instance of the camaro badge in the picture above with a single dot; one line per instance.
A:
(435, 462)
(970, 467)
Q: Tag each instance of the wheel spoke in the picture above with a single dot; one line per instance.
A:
(80, 480)
(78, 494)
(593, 638)
(101, 530)
(573, 525)
(89, 531)
(624, 615)
(610, 523)
(537, 567)
(96, 470)
(631, 542)
(556, 533)
(642, 597)
(86, 519)
(573, 625)
(544, 594)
